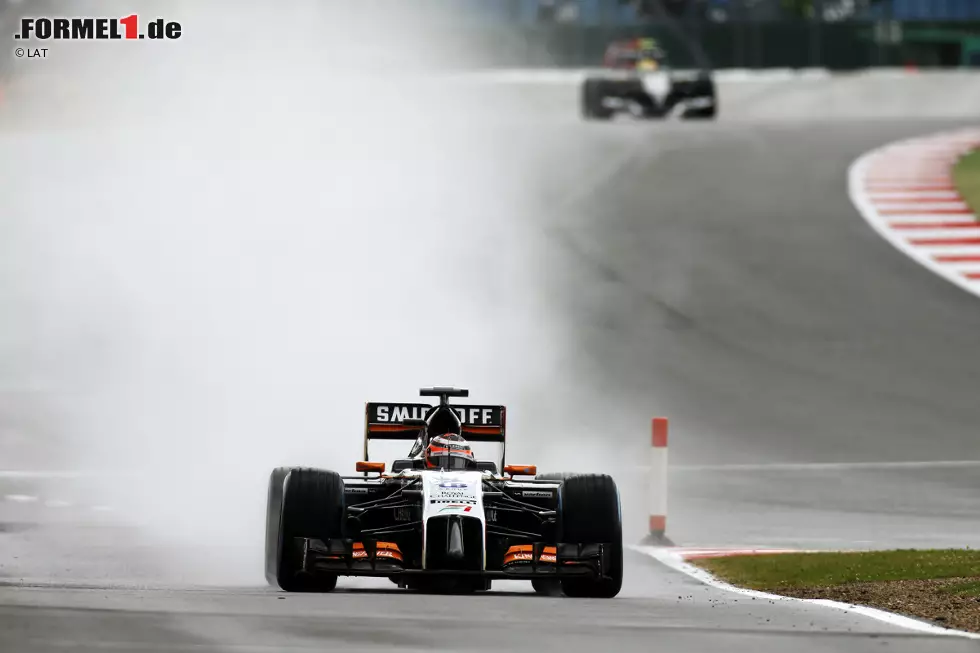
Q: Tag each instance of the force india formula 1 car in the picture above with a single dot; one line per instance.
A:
(439, 529)
(638, 82)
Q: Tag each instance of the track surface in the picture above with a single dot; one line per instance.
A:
(677, 615)
(713, 273)
(774, 327)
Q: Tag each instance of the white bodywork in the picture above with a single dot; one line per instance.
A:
(461, 493)
(656, 84)
(452, 493)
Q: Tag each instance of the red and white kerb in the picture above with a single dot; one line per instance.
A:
(905, 191)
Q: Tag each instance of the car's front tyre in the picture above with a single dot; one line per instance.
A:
(592, 93)
(590, 513)
(306, 503)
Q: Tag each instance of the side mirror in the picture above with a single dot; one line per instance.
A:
(521, 470)
(365, 466)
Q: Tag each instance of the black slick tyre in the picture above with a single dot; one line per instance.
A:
(593, 91)
(273, 514)
(590, 513)
(587, 99)
(304, 503)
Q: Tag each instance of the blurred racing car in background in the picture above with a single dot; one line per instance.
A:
(638, 81)
(441, 520)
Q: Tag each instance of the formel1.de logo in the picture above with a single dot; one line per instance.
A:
(97, 29)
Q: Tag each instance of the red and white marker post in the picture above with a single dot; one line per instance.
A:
(658, 479)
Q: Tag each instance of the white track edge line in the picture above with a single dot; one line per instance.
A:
(676, 561)
(859, 197)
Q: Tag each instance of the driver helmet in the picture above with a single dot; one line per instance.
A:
(449, 451)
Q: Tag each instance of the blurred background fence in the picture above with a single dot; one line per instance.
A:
(832, 34)
(835, 34)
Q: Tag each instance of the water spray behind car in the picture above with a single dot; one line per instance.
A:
(233, 242)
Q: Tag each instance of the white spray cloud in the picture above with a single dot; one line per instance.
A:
(242, 237)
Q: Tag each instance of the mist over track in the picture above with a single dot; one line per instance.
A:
(216, 290)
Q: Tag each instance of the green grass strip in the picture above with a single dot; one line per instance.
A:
(966, 176)
(797, 570)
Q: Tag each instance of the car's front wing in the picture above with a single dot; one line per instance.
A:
(523, 562)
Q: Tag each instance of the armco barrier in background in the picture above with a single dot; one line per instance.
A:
(740, 41)
(577, 75)
(558, 76)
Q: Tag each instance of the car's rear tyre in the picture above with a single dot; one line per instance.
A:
(589, 512)
(302, 503)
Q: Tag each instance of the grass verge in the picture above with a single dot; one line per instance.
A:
(940, 585)
(772, 572)
(966, 176)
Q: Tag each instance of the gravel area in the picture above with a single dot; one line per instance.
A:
(930, 600)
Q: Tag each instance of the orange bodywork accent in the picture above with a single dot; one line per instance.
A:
(490, 430)
(366, 466)
(391, 428)
(525, 552)
(521, 470)
(385, 550)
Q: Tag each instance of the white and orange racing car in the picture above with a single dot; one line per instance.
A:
(441, 520)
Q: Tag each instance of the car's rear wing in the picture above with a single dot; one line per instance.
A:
(387, 421)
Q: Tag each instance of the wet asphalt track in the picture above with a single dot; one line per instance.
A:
(713, 273)
(756, 309)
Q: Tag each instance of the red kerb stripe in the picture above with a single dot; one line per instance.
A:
(872, 188)
(914, 211)
(914, 200)
(952, 242)
(934, 225)
(957, 258)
